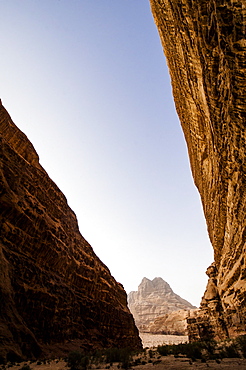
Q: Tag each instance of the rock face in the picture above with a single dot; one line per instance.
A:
(153, 305)
(204, 43)
(173, 323)
(55, 293)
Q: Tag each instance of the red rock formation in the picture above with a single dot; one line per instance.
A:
(204, 43)
(55, 293)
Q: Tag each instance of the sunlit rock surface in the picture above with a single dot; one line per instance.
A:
(153, 307)
(204, 43)
(173, 323)
(55, 293)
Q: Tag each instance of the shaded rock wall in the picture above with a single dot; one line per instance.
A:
(204, 43)
(55, 293)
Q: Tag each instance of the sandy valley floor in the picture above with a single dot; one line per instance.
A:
(160, 363)
(150, 340)
(167, 363)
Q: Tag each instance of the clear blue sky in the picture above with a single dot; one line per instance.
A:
(87, 82)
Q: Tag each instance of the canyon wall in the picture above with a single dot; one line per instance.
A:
(55, 293)
(204, 43)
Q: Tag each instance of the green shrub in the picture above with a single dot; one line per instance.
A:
(25, 367)
(241, 341)
(112, 355)
(2, 360)
(193, 350)
(122, 355)
(77, 361)
(137, 361)
(97, 357)
(164, 350)
(230, 351)
(207, 349)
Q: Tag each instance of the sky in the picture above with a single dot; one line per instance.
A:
(87, 82)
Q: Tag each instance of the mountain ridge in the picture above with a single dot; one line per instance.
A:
(155, 300)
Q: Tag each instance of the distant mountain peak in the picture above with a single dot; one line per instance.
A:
(155, 281)
(153, 299)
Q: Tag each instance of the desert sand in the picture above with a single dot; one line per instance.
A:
(167, 363)
(150, 340)
(157, 362)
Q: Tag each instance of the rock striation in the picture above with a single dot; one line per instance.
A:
(204, 43)
(173, 323)
(157, 309)
(55, 293)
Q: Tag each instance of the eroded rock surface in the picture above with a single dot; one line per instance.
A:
(153, 307)
(55, 293)
(204, 43)
(173, 323)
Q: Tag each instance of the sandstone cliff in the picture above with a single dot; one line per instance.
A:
(173, 323)
(55, 293)
(204, 43)
(153, 305)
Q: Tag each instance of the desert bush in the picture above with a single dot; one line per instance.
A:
(112, 355)
(137, 362)
(122, 355)
(164, 350)
(241, 341)
(229, 351)
(150, 353)
(97, 357)
(193, 350)
(77, 361)
(2, 360)
(25, 367)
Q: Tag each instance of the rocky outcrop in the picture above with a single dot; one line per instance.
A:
(153, 305)
(204, 43)
(55, 293)
(173, 323)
